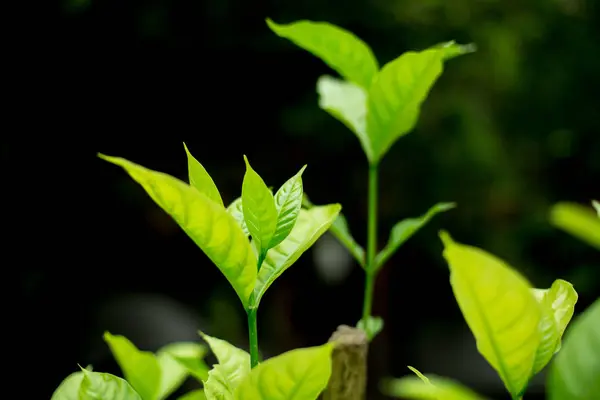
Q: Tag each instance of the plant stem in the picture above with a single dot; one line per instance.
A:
(371, 241)
(253, 336)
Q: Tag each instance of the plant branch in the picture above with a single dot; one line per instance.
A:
(253, 336)
(371, 241)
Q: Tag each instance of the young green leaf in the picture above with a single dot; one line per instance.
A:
(236, 210)
(577, 220)
(259, 208)
(69, 387)
(300, 374)
(343, 51)
(234, 363)
(558, 305)
(347, 103)
(575, 371)
(193, 395)
(218, 387)
(396, 95)
(140, 368)
(177, 361)
(372, 327)
(311, 224)
(201, 180)
(205, 222)
(403, 230)
(497, 303)
(102, 386)
(288, 201)
(596, 206)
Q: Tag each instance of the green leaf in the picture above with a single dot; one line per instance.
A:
(218, 387)
(577, 220)
(140, 368)
(596, 206)
(201, 180)
(575, 371)
(259, 208)
(497, 303)
(421, 387)
(177, 361)
(558, 305)
(69, 388)
(403, 231)
(102, 386)
(300, 374)
(311, 224)
(288, 201)
(343, 51)
(205, 222)
(236, 210)
(347, 103)
(372, 327)
(234, 363)
(193, 395)
(397, 92)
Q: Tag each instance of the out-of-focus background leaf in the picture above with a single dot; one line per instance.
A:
(506, 132)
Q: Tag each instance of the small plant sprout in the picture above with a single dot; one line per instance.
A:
(379, 105)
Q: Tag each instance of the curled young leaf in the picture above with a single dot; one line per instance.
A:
(236, 210)
(578, 221)
(201, 180)
(208, 224)
(497, 303)
(343, 51)
(288, 201)
(217, 386)
(234, 363)
(177, 361)
(103, 386)
(372, 326)
(69, 387)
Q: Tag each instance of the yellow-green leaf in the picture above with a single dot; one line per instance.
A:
(193, 395)
(342, 50)
(208, 224)
(102, 386)
(218, 387)
(371, 326)
(300, 374)
(577, 220)
(234, 363)
(311, 224)
(288, 201)
(596, 206)
(497, 303)
(236, 210)
(177, 361)
(201, 180)
(69, 387)
(558, 305)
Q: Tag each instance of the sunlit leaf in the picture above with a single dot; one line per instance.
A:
(558, 305)
(102, 386)
(234, 362)
(397, 92)
(596, 206)
(300, 374)
(404, 230)
(371, 327)
(193, 395)
(347, 103)
(288, 201)
(497, 303)
(69, 387)
(177, 361)
(218, 387)
(577, 220)
(140, 368)
(311, 224)
(205, 222)
(201, 180)
(575, 371)
(236, 210)
(343, 51)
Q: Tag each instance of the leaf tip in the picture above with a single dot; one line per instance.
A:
(271, 24)
(445, 238)
(302, 169)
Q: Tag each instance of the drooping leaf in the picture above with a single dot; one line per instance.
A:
(260, 213)
(347, 103)
(193, 395)
(236, 210)
(206, 223)
(103, 386)
(300, 374)
(69, 387)
(575, 371)
(497, 303)
(558, 305)
(577, 220)
(288, 201)
(177, 361)
(234, 362)
(140, 368)
(218, 387)
(403, 231)
(343, 51)
(397, 92)
(371, 327)
(311, 224)
(596, 206)
(201, 180)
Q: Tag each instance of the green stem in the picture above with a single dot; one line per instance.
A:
(371, 242)
(253, 336)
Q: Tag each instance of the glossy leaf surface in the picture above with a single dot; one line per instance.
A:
(497, 303)
(371, 327)
(405, 229)
(288, 201)
(300, 374)
(234, 363)
(311, 224)
(69, 387)
(575, 371)
(343, 51)
(209, 225)
(577, 220)
(177, 361)
(201, 180)
(218, 387)
(193, 395)
(236, 210)
(102, 386)
(558, 305)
